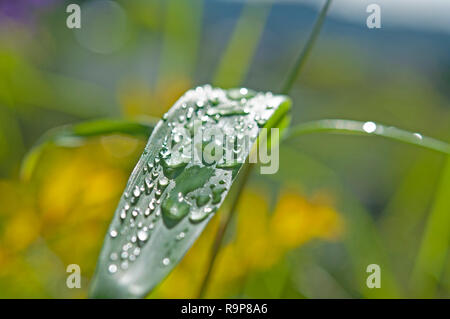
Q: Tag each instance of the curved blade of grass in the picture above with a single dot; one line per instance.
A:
(282, 124)
(368, 128)
(430, 261)
(236, 60)
(73, 135)
(171, 195)
(293, 75)
(182, 31)
(303, 57)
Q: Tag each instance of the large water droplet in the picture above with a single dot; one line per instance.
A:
(174, 209)
(217, 194)
(113, 233)
(180, 236)
(142, 236)
(112, 268)
(238, 94)
(197, 215)
(202, 199)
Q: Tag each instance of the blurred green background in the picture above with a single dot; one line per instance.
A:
(337, 204)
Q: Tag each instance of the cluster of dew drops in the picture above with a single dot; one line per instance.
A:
(209, 105)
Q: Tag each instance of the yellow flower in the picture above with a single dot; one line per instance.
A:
(138, 98)
(297, 220)
(259, 241)
(64, 210)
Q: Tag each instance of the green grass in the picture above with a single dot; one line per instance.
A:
(163, 246)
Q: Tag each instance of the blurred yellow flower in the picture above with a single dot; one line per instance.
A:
(62, 214)
(297, 220)
(22, 230)
(138, 98)
(259, 241)
(63, 210)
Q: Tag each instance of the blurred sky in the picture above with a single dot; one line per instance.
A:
(417, 14)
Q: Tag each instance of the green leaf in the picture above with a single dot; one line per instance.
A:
(74, 135)
(339, 126)
(175, 188)
(430, 262)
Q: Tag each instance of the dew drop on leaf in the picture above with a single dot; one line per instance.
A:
(112, 268)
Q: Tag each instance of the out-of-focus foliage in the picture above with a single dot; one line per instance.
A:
(259, 242)
(60, 216)
(337, 204)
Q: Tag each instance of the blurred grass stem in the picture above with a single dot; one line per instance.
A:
(286, 88)
(302, 58)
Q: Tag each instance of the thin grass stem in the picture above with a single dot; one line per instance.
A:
(224, 223)
(286, 88)
(367, 128)
(300, 62)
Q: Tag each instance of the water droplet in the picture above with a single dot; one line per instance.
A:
(124, 265)
(180, 236)
(113, 256)
(217, 194)
(369, 127)
(237, 94)
(136, 191)
(163, 182)
(142, 235)
(198, 215)
(200, 104)
(148, 185)
(230, 164)
(112, 268)
(113, 233)
(202, 199)
(166, 261)
(151, 205)
(174, 209)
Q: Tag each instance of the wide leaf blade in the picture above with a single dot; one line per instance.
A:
(178, 184)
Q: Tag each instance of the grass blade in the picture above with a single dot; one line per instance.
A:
(236, 61)
(182, 30)
(73, 135)
(300, 62)
(433, 251)
(171, 195)
(368, 128)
